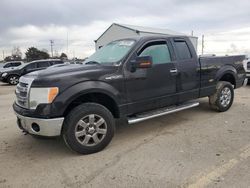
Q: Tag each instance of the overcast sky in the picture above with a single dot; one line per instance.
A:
(25, 23)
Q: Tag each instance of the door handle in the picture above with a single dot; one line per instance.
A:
(174, 71)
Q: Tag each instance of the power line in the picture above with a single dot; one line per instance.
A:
(67, 42)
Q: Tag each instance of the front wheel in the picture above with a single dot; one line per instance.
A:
(88, 128)
(223, 98)
(13, 79)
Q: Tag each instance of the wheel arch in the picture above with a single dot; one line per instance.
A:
(228, 74)
(91, 91)
(96, 97)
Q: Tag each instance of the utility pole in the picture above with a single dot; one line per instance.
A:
(202, 45)
(67, 42)
(192, 33)
(51, 47)
(3, 55)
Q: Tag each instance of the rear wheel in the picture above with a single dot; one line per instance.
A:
(13, 79)
(223, 98)
(88, 128)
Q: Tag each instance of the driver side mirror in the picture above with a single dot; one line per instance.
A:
(142, 62)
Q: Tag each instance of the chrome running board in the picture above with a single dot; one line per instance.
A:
(161, 112)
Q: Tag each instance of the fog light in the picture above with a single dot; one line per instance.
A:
(35, 127)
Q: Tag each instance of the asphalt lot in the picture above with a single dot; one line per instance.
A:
(193, 148)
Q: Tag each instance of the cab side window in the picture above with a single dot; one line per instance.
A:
(158, 51)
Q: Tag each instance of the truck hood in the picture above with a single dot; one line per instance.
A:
(70, 74)
(65, 70)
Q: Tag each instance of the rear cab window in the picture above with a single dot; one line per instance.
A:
(182, 50)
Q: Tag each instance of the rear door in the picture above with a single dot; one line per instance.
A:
(152, 87)
(187, 65)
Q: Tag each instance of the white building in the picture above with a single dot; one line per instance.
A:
(120, 31)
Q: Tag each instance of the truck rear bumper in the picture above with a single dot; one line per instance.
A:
(42, 127)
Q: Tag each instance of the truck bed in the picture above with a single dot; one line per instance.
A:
(213, 66)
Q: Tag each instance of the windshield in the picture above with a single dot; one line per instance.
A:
(112, 52)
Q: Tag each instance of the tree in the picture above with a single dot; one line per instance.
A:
(34, 54)
(8, 58)
(63, 56)
(16, 54)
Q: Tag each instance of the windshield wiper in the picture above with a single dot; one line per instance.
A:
(92, 62)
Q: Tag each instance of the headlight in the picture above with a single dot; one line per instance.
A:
(4, 74)
(42, 95)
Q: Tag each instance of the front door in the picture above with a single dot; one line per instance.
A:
(153, 87)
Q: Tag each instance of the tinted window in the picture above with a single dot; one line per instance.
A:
(30, 66)
(182, 50)
(159, 53)
(7, 65)
(43, 64)
(16, 64)
(57, 62)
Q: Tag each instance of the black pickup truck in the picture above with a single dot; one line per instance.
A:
(136, 79)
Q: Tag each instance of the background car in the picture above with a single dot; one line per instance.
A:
(246, 64)
(12, 76)
(10, 65)
(248, 71)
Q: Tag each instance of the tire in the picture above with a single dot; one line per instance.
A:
(88, 128)
(13, 79)
(223, 97)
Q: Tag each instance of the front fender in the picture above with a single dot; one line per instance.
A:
(64, 99)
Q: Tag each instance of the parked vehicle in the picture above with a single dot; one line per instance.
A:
(10, 65)
(248, 70)
(12, 76)
(137, 78)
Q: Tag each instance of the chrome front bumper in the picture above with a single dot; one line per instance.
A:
(42, 127)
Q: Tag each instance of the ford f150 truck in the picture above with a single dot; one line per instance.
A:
(135, 78)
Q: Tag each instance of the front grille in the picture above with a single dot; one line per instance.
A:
(22, 92)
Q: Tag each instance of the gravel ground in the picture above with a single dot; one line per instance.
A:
(193, 148)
